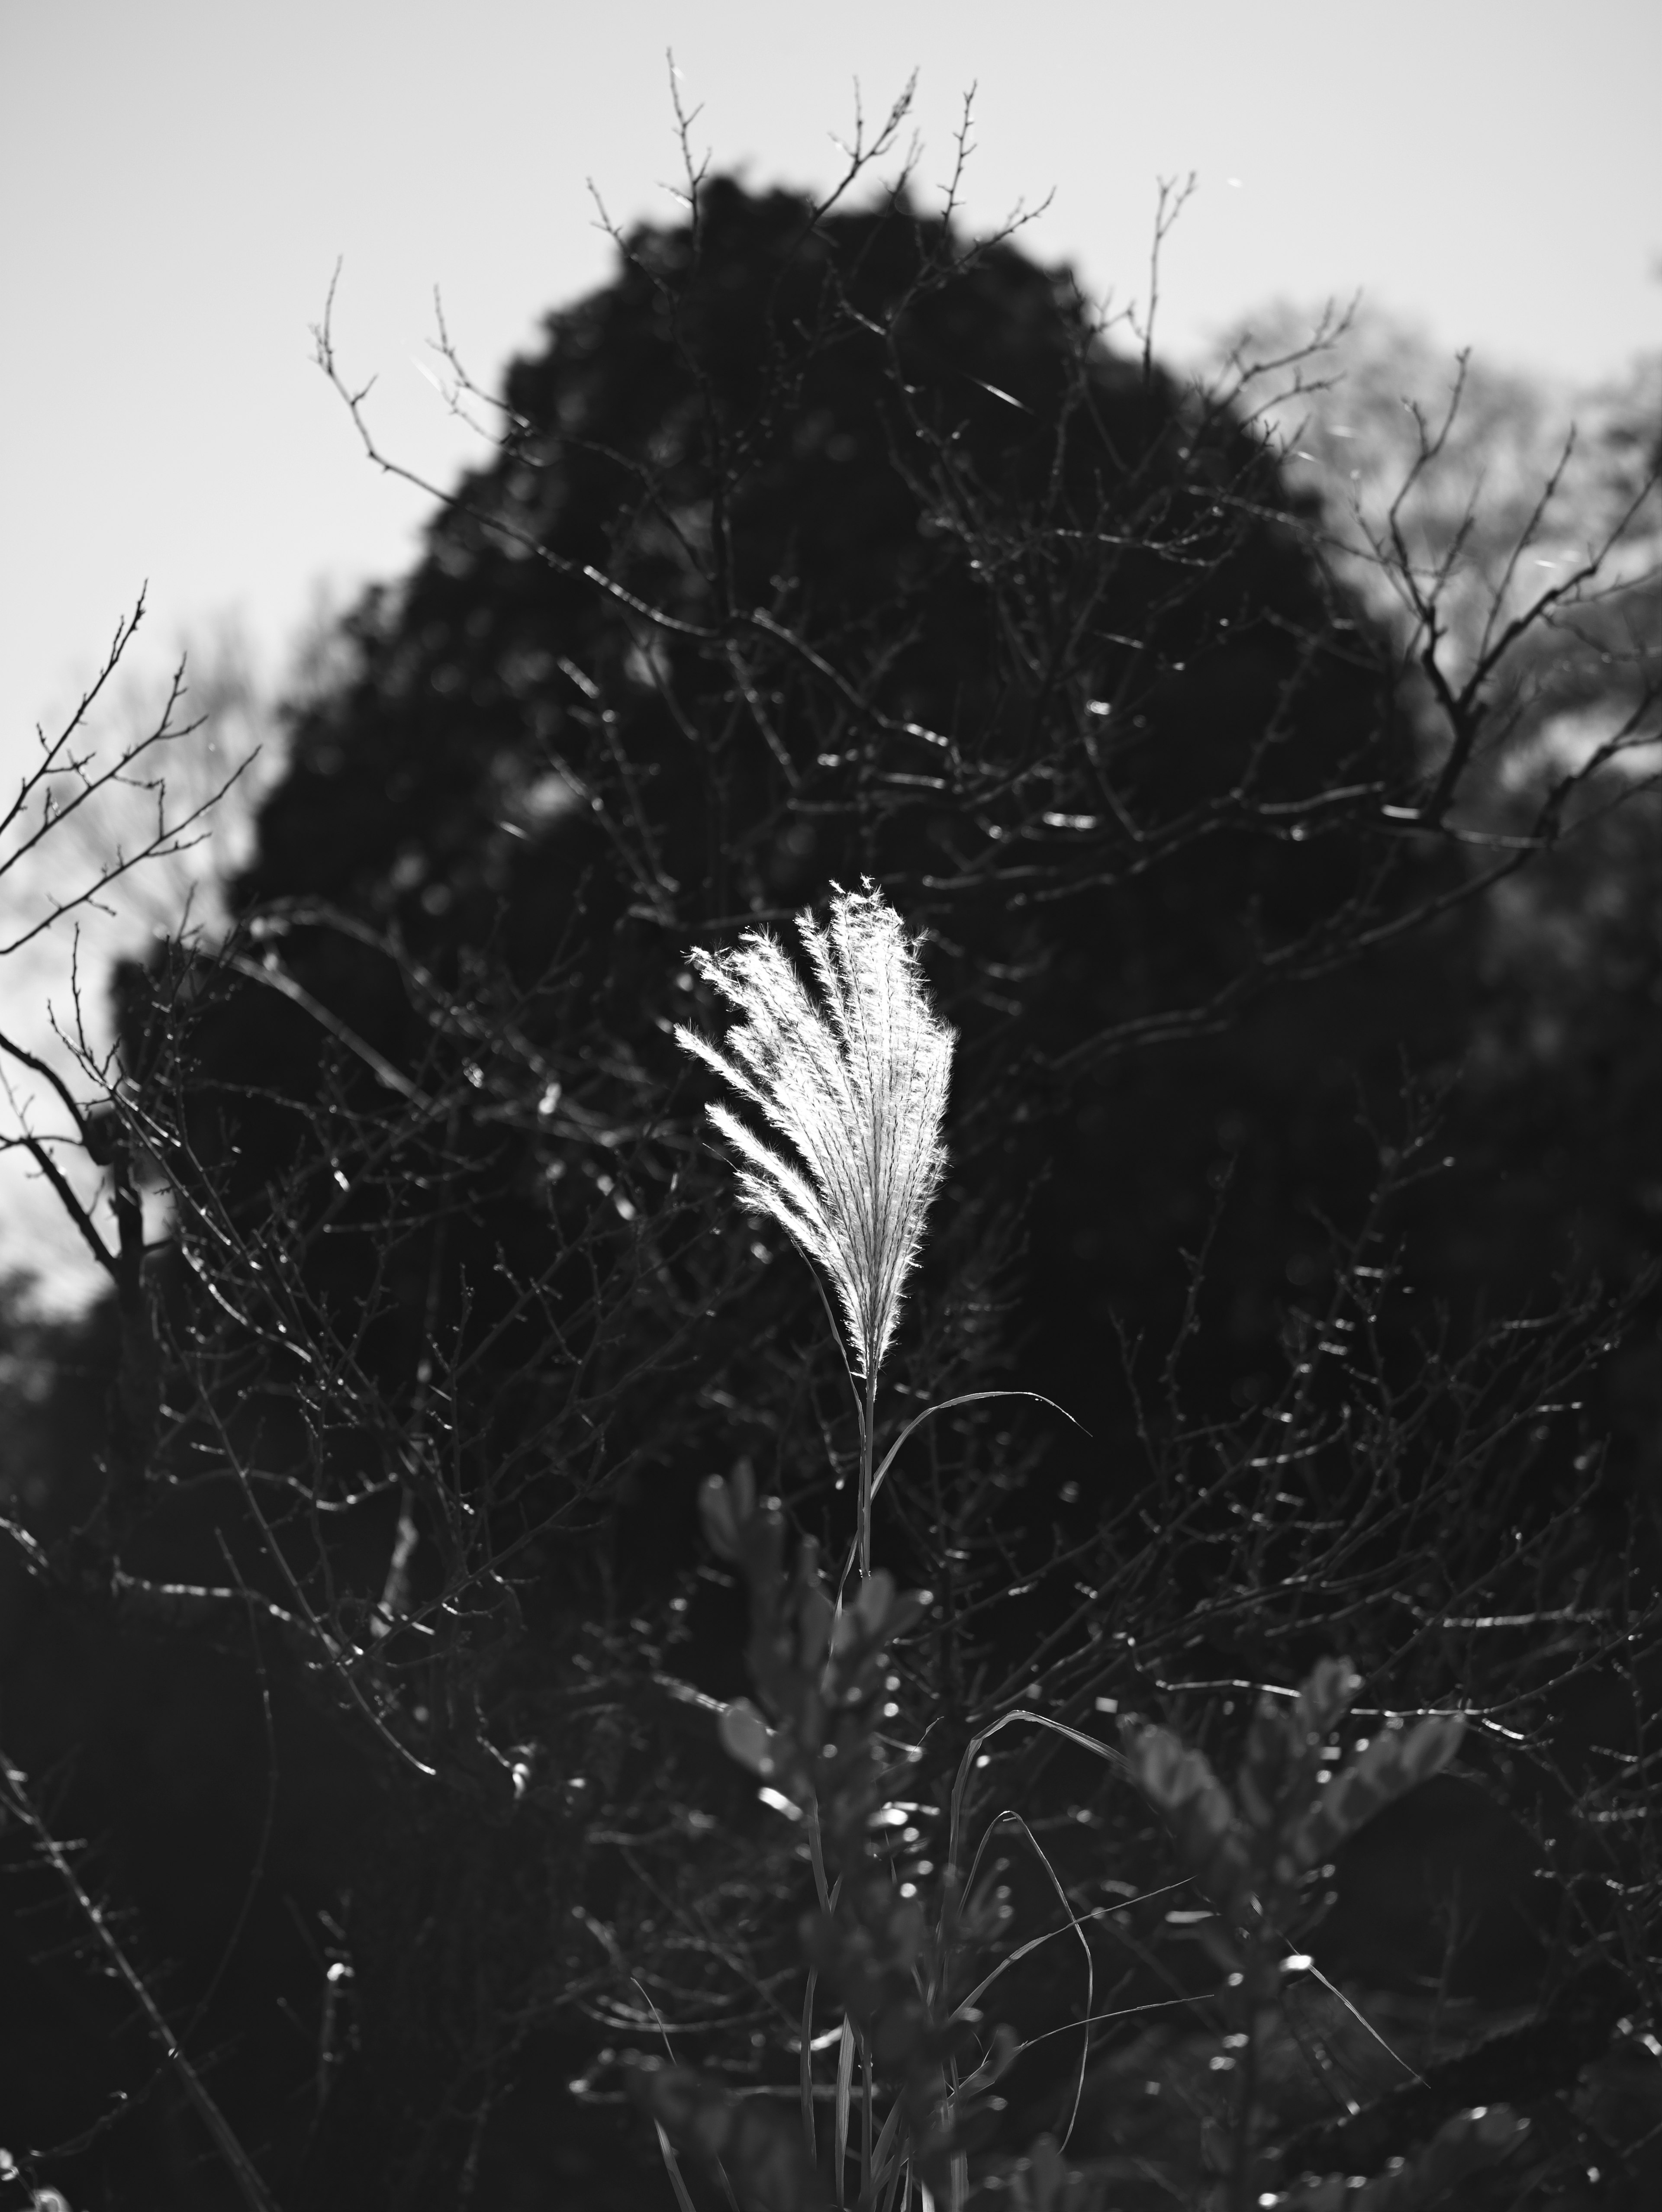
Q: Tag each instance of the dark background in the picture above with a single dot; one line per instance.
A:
(817, 550)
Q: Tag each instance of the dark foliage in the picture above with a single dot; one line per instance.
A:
(372, 1646)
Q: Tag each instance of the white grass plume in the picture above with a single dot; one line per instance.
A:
(856, 1085)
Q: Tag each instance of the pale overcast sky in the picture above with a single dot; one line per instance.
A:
(178, 180)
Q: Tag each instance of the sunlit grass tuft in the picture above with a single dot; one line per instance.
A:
(856, 1083)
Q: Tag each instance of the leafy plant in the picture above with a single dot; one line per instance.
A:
(856, 1087)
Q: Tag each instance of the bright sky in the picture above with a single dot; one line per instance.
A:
(178, 179)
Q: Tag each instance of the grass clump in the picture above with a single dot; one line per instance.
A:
(850, 1086)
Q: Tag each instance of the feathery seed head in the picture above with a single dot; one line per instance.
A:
(855, 1082)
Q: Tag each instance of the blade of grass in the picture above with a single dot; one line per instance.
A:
(887, 2159)
(845, 2086)
(809, 2131)
(1078, 1928)
(672, 2164)
(900, 2188)
(1099, 1913)
(865, 2118)
(969, 1398)
(673, 2168)
(972, 1752)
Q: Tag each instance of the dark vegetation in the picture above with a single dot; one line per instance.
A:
(357, 1634)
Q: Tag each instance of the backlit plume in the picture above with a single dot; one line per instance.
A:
(855, 1082)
